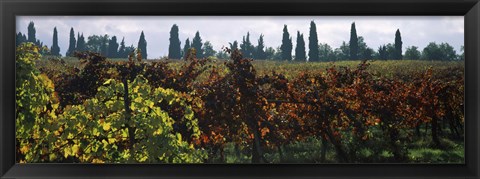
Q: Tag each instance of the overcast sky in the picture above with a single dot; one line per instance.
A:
(219, 30)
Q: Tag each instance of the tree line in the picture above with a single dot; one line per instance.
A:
(355, 49)
(103, 44)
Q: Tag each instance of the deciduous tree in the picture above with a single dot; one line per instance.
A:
(412, 53)
(208, 49)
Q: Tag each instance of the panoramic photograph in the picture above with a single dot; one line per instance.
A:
(240, 89)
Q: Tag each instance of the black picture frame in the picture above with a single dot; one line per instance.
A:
(470, 9)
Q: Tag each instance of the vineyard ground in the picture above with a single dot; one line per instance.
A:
(309, 151)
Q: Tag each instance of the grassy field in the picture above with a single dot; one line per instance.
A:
(385, 68)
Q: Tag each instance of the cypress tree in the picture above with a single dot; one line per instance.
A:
(24, 37)
(234, 45)
(81, 43)
(174, 50)
(246, 47)
(197, 45)
(260, 52)
(186, 47)
(286, 46)
(104, 46)
(38, 43)
(313, 54)
(55, 49)
(31, 33)
(78, 39)
(398, 46)
(121, 51)
(462, 56)
(300, 49)
(113, 47)
(353, 43)
(243, 48)
(250, 46)
(71, 46)
(142, 45)
(20, 38)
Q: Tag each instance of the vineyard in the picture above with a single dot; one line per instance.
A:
(97, 110)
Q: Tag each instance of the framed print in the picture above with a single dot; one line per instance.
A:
(185, 89)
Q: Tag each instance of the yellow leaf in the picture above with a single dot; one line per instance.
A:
(55, 106)
(24, 149)
(105, 143)
(97, 161)
(96, 132)
(108, 82)
(66, 152)
(75, 149)
(106, 126)
(111, 140)
(36, 135)
(124, 133)
(158, 131)
(138, 100)
(52, 156)
(70, 136)
(179, 136)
